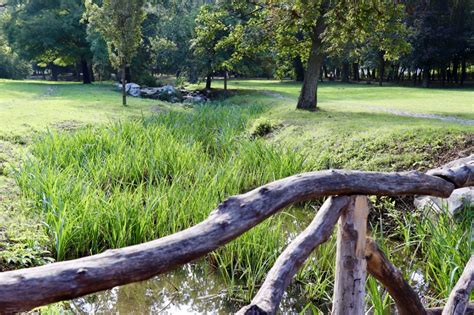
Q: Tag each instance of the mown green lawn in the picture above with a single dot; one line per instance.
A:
(352, 128)
(101, 186)
(371, 98)
(36, 105)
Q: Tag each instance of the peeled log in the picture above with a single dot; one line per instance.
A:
(24, 289)
(439, 310)
(459, 298)
(459, 172)
(293, 257)
(406, 299)
(349, 286)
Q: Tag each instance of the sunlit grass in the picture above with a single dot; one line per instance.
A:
(112, 185)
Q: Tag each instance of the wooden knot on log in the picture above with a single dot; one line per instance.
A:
(255, 310)
(459, 172)
(81, 271)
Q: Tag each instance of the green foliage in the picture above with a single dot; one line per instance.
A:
(22, 252)
(119, 23)
(121, 184)
(263, 127)
(119, 188)
(11, 65)
(213, 25)
(447, 22)
(47, 31)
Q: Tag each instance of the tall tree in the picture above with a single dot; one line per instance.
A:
(119, 23)
(310, 30)
(442, 34)
(210, 43)
(49, 32)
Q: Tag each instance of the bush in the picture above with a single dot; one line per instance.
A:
(146, 79)
(263, 127)
(11, 65)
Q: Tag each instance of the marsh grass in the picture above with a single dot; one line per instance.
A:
(130, 182)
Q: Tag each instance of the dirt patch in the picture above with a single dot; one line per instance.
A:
(68, 125)
(277, 95)
(157, 109)
(457, 120)
(461, 149)
(50, 91)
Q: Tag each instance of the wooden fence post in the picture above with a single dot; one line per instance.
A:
(351, 265)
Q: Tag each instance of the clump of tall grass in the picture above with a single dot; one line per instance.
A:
(132, 182)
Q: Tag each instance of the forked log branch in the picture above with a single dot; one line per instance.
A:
(22, 290)
(459, 172)
(268, 298)
(351, 265)
(439, 310)
(406, 299)
(459, 298)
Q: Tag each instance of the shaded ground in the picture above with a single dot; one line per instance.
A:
(452, 119)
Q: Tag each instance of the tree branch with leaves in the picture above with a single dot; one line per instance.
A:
(119, 23)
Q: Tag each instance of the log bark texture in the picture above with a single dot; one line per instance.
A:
(459, 298)
(439, 310)
(459, 172)
(351, 266)
(293, 257)
(22, 290)
(406, 299)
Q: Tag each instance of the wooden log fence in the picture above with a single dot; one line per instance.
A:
(25, 289)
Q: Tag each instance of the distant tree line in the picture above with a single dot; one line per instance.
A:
(415, 42)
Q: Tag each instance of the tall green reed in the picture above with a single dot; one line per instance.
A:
(132, 182)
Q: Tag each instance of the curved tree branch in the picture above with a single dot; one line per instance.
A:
(22, 290)
(458, 300)
(293, 257)
(406, 299)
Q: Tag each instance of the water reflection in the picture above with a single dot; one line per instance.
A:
(194, 289)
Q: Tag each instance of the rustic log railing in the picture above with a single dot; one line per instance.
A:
(25, 289)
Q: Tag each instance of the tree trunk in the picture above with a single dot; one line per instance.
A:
(455, 71)
(77, 71)
(299, 69)
(128, 74)
(124, 83)
(443, 73)
(426, 77)
(308, 95)
(225, 80)
(192, 75)
(355, 70)
(345, 71)
(91, 71)
(54, 72)
(351, 265)
(86, 77)
(463, 71)
(381, 67)
(208, 82)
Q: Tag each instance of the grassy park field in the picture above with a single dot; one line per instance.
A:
(79, 173)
